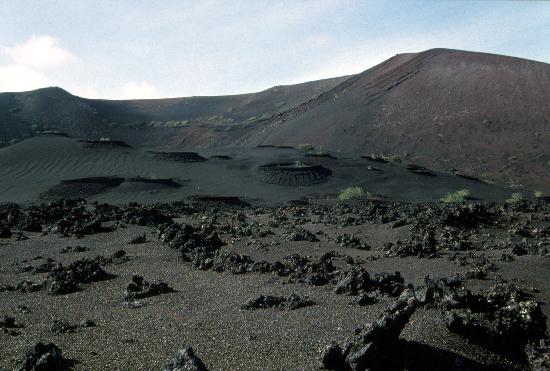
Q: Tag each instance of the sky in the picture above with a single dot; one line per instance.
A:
(128, 49)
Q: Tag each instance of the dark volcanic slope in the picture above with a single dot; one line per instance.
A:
(59, 166)
(144, 121)
(481, 113)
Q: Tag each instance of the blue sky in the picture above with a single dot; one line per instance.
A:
(149, 49)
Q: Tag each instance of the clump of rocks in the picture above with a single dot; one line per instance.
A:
(504, 313)
(351, 241)
(374, 345)
(5, 231)
(43, 357)
(139, 288)
(77, 248)
(185, 360)
(300, 234)
(64, 280)
(64, 327)
(8, 325)
(142, 238)
(358, 281)
(423, 245)
(292, 302)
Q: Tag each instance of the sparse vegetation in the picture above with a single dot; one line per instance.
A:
(457, 196)
(393, 158)
(351, 193)
(299, 163)
(538, 194)
(37, 127)
(305, 147)
(515, 197)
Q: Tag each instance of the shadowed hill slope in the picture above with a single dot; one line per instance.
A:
(480, 113)
(56, 109)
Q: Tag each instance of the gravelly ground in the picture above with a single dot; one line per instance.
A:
(205, 312)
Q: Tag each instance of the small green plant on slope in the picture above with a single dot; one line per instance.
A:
(458, 196)
(351, 193)
(304, 147)
(515, 197)
(299, 163)
(538, 194)
(393, 158)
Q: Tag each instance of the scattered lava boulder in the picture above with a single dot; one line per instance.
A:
(292, 302)
(139, 288)
(185, 360)
(42, 357)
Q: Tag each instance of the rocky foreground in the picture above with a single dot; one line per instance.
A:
(195, 286)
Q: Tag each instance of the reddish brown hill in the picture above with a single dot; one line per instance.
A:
(484, 114)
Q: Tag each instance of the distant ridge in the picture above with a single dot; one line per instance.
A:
(480, 114)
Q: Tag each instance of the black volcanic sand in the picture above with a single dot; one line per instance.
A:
(195, 291)
(38, 165)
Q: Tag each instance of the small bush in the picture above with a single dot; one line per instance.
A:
(37, 127)
(515, 197)
(394, 159)
(351, 193)
(304, 147)
(458, 196)
(538, 194)
(299, 163)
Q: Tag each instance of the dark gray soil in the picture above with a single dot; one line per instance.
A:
(370, 284)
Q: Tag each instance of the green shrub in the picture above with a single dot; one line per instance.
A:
(458, 196)
(299, 163)
(351, 193)
(393, 158)
(515, 197)
(37, 127)
(538, 194)
(304, 147)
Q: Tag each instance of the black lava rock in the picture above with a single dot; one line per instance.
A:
(185, 360)
(42, 357)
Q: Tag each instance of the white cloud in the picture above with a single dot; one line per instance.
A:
(138, 90)
(21, 78)
(41, 52)
(32, 63)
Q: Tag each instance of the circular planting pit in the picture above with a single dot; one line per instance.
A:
(106, 143)
(468, 177)
(52, 133)
(321, 155)
(374, 158)
(160, 181)
(81, 187)
(177, 156)
(221, 157)
(419, 170)
(294, 174)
